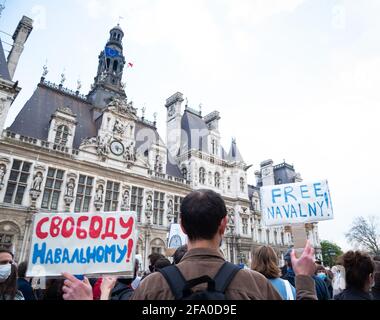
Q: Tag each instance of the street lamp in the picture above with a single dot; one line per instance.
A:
(331, 254)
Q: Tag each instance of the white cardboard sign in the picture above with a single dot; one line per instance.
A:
(296, 203)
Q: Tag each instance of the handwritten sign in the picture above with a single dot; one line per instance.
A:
(176, 236)
(82, 243)
(296, 203)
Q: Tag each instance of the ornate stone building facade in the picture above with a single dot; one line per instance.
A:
(70, 152)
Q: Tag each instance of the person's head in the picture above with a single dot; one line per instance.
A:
(153, 257)
(265, 261)
(377, 271)
(287, 258)
(8, 273)
(321, 272)
(204, 216)
(359, 269)
(22, 267)
(179, 253)
(161, 263)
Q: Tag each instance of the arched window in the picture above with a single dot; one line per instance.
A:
(115, 63)
(202, 176)
(184, 173)
(118, 37)
(61, 135)
(242, 186)
(228, 183)
(217, 179)
(108, 63)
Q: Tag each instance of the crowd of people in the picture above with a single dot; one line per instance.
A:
(199, 270)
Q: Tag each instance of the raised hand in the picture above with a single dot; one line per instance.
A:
(75, 289)
(108, 283)
(304, 265)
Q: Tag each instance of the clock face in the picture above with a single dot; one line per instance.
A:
(266, 172)
(117, 148)
(175, 241)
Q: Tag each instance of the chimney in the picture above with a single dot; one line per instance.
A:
(20, 36)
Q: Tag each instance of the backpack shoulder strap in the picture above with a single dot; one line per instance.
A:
(175, 280)
(224, 276)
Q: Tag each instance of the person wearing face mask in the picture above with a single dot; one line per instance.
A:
(359, 276)
(321, 273)
(8, 277)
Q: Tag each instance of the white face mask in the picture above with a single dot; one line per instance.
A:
(5, 272)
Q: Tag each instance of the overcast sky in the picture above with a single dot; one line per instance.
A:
(293, 79)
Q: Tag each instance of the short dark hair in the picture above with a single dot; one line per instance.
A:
(179, 253)
(201, 214)
(22, 267)
(5, 250)
(161, 263)
(358, 266)
(153, 257)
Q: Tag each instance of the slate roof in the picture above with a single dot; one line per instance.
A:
(34, 118)
(194, 133)
(284, 173)
(234, 154)
(4, 72)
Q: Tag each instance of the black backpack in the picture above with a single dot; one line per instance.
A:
(216, 287)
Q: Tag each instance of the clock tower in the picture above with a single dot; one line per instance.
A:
(173, 127)
(108, 80)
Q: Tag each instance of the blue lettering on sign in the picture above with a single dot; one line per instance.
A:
(39, 253)
(278, 212)
(90, 255)
(122, 252)
(293, 211)
(320, 207)
(286, 211)
(312, 209)
(301, 215)
(274, 196)
(302, 188)
(270, 212)
(317, 187)
(288, 193)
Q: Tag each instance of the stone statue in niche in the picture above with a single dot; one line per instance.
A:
(170, 207)
(102, 148)
(148, 206)
(37, 181)
(129, 154)
(99, 194)
(3, 171)
(70, 188)
(118, 127)
(125, 203)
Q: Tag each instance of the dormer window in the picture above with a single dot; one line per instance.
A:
(184, 173)
(61, 135)
(242, 186)
(217, 180)
(202, 176)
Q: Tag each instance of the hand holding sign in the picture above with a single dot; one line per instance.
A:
(305, 265)
(75, 289)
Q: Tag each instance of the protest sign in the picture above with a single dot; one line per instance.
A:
(83, 243)
(176, 236)
(296, 203)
